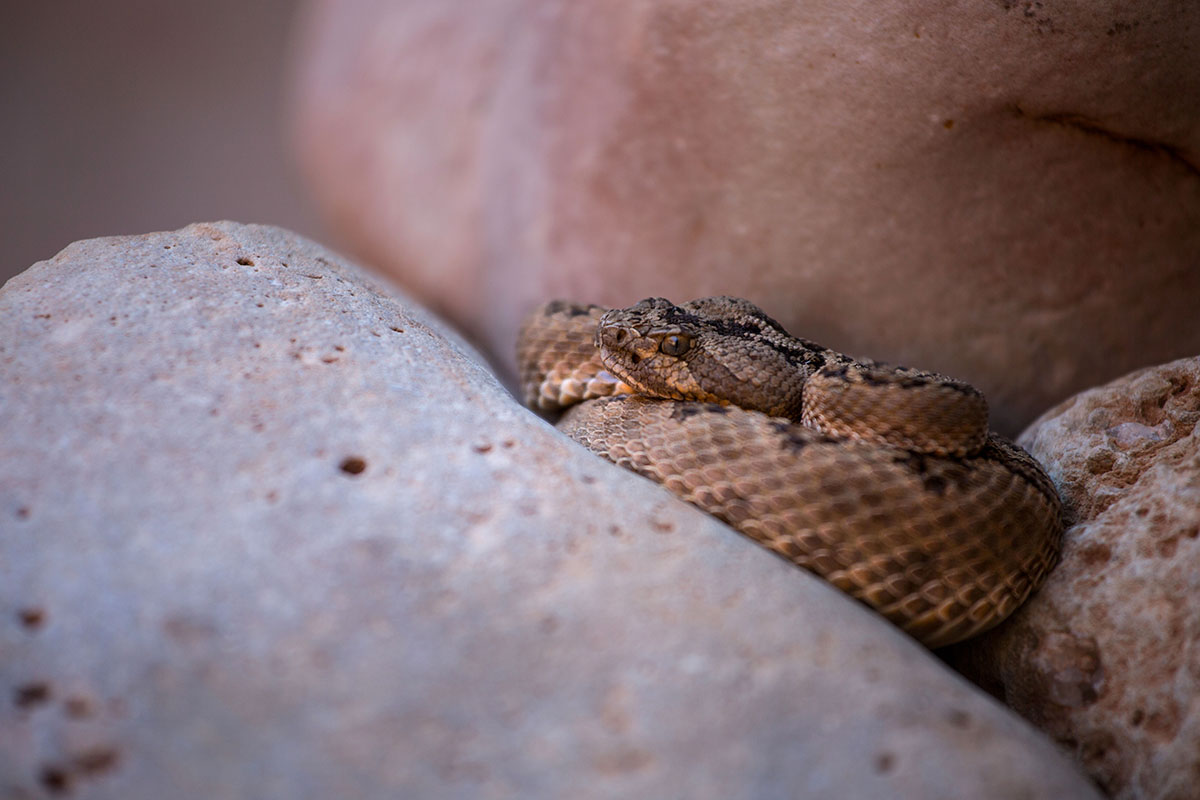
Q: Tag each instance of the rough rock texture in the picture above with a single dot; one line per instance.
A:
(1106, 658)
(270, 531)
(1008, 192)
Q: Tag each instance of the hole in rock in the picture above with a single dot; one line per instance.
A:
(96, 760)
(958, 718)
(31, 618)
(78, 707)
(245, 262)
(31, 694)
(55, 780)
(353, 465)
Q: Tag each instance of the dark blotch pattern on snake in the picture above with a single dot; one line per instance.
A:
(885, 481)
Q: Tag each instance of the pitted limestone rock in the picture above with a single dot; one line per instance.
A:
(1105, 657)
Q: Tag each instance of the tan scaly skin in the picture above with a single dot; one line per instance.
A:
(883, 480)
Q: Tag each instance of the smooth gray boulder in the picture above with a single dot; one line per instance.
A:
(268, 530)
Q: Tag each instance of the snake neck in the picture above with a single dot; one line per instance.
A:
(716, 350)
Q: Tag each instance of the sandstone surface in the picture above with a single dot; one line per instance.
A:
(1007, 192)
(269, 530)
(1106, 657)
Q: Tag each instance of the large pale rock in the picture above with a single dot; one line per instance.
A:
(1008, 192)
(270, 531)
(1106, 657)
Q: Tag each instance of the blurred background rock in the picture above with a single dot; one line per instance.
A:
(1001, 192)
(131, 115)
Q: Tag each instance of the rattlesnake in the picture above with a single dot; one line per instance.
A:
(883, 480)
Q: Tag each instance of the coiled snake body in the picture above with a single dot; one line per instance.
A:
(884, 481)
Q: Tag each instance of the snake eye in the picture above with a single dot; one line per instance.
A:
(676, 344)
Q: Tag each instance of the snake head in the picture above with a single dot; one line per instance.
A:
(717, 350)
(650, 347)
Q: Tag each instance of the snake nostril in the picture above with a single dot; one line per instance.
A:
(616, 333)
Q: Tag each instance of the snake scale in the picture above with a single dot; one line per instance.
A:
(884, 481)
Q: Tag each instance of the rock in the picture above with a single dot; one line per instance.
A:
(1106, 657)
(270, 530)
(1005, 192)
